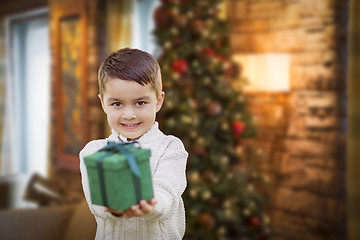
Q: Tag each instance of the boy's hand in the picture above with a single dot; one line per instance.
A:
(116, 213)
(137, 210)
(141, 209)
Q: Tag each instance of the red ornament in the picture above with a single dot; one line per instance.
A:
(180, 66)
(196, 26)
(218, 43)
(261, 188)
(214, 202)
(207, 54)
(208, 176)
(253, 221)
(233, 70)
(207, 221)
(237, 128)
(208, 51)
(181, 20)
(214, 108)
(177, 42)
(263, 236)
(201, 151)
(161, 17)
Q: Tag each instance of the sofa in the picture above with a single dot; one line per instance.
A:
(60, 222)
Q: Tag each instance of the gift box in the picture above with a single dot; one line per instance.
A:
(119, 175)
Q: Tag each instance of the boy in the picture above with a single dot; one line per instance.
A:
(131, 94)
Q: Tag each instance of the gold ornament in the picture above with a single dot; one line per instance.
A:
(185, 119)
(206, 195)
(250, 188)
(222, 230)
(176, 76)
(229, 214)
(194, 212)
(167, 45)
(238, 116)
(193, 193)
(169, 103)
(171, 122)
(193, 134)
(266, 219)
(175, 11)
(205, 33)
(252, 205)
(224, 160)
(200, 141)
(239, 150)
(227, 203)
(224, 126)
(206, 80)
(195, 64)
(174, 31)
(246, 212)
(195, 176)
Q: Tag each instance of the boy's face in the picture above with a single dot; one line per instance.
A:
(130, 108)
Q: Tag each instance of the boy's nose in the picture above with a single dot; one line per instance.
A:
(129, 113)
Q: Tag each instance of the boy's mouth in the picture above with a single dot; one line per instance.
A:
(130, 126)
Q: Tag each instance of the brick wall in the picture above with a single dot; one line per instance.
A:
(301, 133)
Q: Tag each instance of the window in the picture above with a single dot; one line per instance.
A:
(27, 106)
(143, 26)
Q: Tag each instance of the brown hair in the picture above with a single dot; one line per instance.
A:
(130, 65)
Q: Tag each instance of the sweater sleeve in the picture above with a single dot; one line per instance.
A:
(90, 148)
(169, 180)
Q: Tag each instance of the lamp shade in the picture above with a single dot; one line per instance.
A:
(265, 72)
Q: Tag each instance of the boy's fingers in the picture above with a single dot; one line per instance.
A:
(133, 211)
(128, 214)
(140, 209)
(145, 207)
(153, 201)
(115, 213)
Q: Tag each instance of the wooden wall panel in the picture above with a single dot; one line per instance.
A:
(17, 6)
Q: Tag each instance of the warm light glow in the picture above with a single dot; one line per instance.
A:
(265, 72)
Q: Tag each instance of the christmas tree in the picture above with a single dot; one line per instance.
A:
(224, 198)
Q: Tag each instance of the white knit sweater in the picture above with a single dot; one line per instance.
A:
(167, 164)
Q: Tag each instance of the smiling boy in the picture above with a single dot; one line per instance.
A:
(130, 107)
(131, 94)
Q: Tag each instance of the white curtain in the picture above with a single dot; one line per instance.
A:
(27, 105)
(143, 26)
(130, 24)
(119, 24)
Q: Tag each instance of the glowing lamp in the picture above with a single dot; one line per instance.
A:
(265, 72)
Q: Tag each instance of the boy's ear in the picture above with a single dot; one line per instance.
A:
(160, 101)
(102, 102)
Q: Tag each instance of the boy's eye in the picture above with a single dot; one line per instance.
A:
(116, 104)
(140, 103)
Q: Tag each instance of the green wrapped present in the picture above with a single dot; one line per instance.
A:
(119, 175)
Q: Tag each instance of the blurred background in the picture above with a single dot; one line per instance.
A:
(261, 92)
